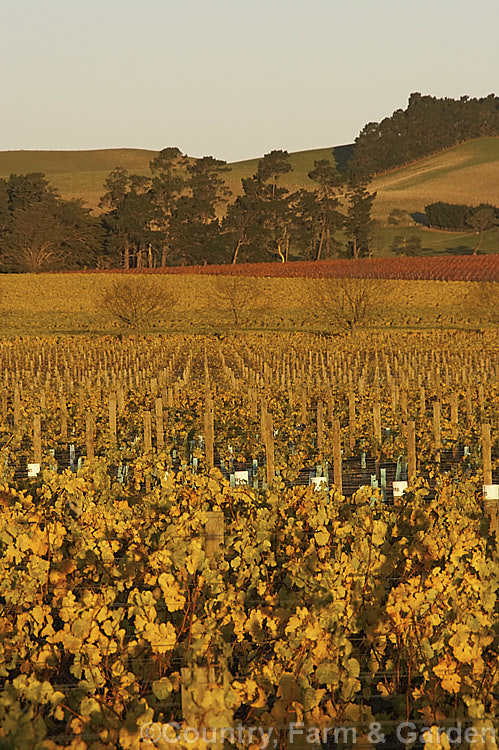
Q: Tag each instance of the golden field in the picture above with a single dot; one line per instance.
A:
(36, 304)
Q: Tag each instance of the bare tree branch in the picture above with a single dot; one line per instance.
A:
(137, 302)
(350, 303)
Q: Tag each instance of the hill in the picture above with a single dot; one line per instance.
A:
(81, 174)
(468, 173)
(76, 174)
(301, 161)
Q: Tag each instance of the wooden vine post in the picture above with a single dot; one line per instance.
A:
(160, 434)
(436, 430)
(112, 416)
(267, 425)
(422, 401)
(454, 413)
(320, 426)
(490, 491)
(351, 419)
(209, 433)
(214, 532)
(37, 439)
(411, 450)
(89, 435)
(377, 422)
(120, 399)
(17, 407)
(64, 419)
(147, 431)
(337, 468)
(486, 454)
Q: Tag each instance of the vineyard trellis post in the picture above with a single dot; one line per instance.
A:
(147, 431)
(89, 435)
(490, 491)
(160, 435)
(411, 450)
(37, 439)
(209, 437)
(268, 440)
(337, 467)
(214, 532)
(437, 436)
(351, 419)
(320, 426)
(112, 417)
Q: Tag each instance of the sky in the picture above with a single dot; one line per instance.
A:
(231, 78)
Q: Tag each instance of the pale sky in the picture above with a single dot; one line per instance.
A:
(231, 78)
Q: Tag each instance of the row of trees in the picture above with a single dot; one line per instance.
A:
(462, 217)
(426, 126)
(344, 303)
(182, 214)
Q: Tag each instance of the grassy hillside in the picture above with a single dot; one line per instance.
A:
(76, 174)
(301, 161)
(468, 173)
(81, 174)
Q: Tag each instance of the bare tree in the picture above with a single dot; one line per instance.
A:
(350, 303)
(482, 219)
(234, 295)
(137, 302)
(482, 301)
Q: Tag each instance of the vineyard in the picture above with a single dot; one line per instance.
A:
(437, 268)
(246, 534)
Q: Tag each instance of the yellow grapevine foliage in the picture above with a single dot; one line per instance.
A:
(308, 611)
(118, 610)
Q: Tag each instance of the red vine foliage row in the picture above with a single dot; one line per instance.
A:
(448, 268)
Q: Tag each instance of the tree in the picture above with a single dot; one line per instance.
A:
(483, 218)
(350, 303)
(25, 189)
(482, 301)
(359, 224)
(169, 170)
(407, 245)
(316, 212)
(130, 220)
(195, 224)
(33, 240)
(426, 126)
(83, 235)
(41, 231)
(235, 295)
(136, 303)
(242, 229)
(270, 204)
(400, 218)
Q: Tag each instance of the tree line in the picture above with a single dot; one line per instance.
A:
(427, 125)
(182, 214)
(454, 216)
